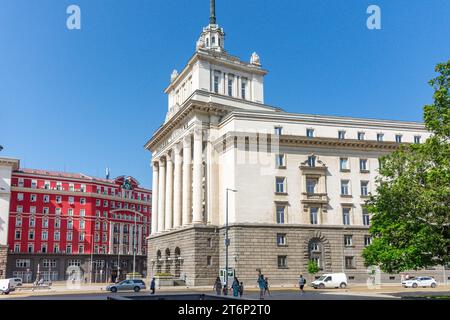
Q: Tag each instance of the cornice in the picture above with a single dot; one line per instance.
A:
(10, 162)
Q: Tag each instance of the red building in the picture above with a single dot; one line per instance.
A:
(61, 221)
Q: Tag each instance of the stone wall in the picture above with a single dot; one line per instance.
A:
(3, 261)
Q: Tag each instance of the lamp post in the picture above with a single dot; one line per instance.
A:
(134, 242)
(227, 242)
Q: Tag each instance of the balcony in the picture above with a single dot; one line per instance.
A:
(312, 198)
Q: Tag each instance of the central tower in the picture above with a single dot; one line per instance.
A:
(212, 36)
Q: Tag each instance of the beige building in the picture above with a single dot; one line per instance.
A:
(300, 181)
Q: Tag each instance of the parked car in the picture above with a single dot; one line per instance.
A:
(420, 282)
(6, 286)
(331, 280)
(16, 282)
(126, 285)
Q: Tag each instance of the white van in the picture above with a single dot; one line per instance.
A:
(6, 286)
(331, 280)
(16, 282)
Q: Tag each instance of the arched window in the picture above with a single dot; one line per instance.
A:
(158, 261)
(213, 41)
(177, 262)
(315, 250)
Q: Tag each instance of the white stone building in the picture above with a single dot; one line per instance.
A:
(301, 180)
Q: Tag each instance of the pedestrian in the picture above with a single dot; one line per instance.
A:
(235, 287)
(241, 289)
(301, 284)
(261, 285)
(152, 286)
(266, 286)
(218, 286)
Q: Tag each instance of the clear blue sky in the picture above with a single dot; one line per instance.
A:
(82, 100)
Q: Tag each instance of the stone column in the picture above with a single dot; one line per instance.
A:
(161, 194)
(197, 214)
(187, 183)
(154, 210)
(169, 193)
(177, 188)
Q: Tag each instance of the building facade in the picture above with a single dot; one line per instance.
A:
(62, 225)
(292, 187)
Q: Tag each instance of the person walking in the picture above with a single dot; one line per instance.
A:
(152, 286)
(261, 284)
(235, 287)
(241, 289)
(218, 286)
(266, 286)
(301, 284)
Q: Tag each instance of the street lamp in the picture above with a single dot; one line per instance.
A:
(92, 257)
(227, 242)
(134, 242)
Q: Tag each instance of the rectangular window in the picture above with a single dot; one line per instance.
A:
(363, 165)
(216, 83)
(230, 85)
(243, 88)
(19, 209)
(71, 200)
(83, 188)
(47, 185)
(82, 224)
(343, 164)
(69, 248)
(82, 212)
(33, 198)
(312, 161)
(21, 183)
(71, 187)
(46, 198)
(341, 135)
(70, 212)
(278, 131)
(310, 133)
(348, 241)
(280, 214)
(44, 248)
(32, 222)
(364, 188)
(346, 216)
(366, 217)
(280, 158)
(45, 223)
(361, 135)
(417, 139)
(58, 211)
(398, 138)
(82, 201)
(56, 248)
(33, 210)
(105, 203)
(97, 203)
(20, 197)
(44, 235)
(16, 247)
(58, 199)
(45, 210)
(281, 239)
(311, 185)
(17, 235)
(380, 137)
(367, 241)
(31, 235)
(58, 186)
(345, 187)
(81, 249)
(280, 184)
(349, 262)
(69, 236)
(313, 215)
(81, 236)
(33, 184)
(18, 221)
(23, 263)
(57, 223)
(282, 261)
(56, 236)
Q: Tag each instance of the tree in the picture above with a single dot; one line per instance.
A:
(313, 268)
(411, 207)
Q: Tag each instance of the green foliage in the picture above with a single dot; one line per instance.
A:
(163, 274)
(313, 267)
(411, 208)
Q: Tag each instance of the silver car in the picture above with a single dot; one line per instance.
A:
(127, 285)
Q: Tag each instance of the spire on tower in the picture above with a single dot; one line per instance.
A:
(212, 10)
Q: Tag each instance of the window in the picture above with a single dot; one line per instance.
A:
(209, 261)
(341, 135)
(70, 212)
(56, 248)
(346, 216)
(46, 210)
(315, 247)
(361, 135)
(80, 248)
(83, 188)
(345, 187)
(417, 139)
(97, 213)
(71, 200)
(280, 214)
(363, 165)
(82, 212)
(310, 133)
(33, 198)
(282, 261)
(280, 158)
(19, 209)
(44, 248)
(348, 241)
(216, 83)
(280, 184)
(33, 210)
(82, 224)
(349, 262)
(56, 236)
(380, 137)
(243, 88)
(105, 203)
(104, 237)
(230, 85)
(367, 241)
(20, 197)
(23, 263)
(74, 263)
(21, 183)
(365, 217)
(44, 235)
(45, 223)
(97, 237)
(58, 186)
(97, 225)
(99, 189)
(30, 248)
(71, 187)
(364, 188)
(105, 226)
(18, 221)
(16, 247)
(58, 211)
(312, 161)
(81, 236)
(33, 184)
(97, 203)
(47, 185)
(69, 248)
(32, 222)
(69, 236)
(17, 235)
(281, 239)
(313, 215)
(58, 199)
(398, 138)
(46, 198)
(311, 186)
(57, 223)
(343, 164)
